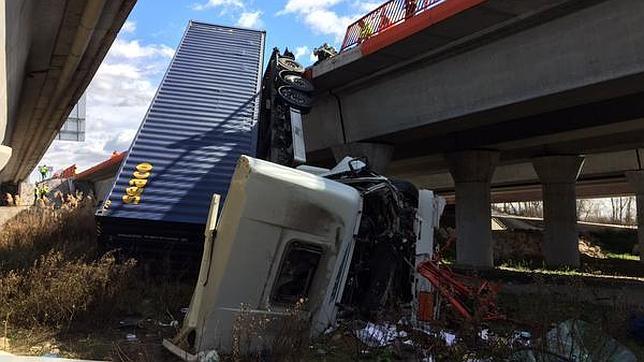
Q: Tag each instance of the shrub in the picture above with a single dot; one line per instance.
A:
(51, 273)
(69, 228)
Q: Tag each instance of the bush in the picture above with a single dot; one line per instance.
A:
(69, 228)
(51, 273)
(56, 291)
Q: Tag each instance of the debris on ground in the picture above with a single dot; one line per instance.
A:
(587, 248)
(470, 297)
(377, 335)
(577, 340)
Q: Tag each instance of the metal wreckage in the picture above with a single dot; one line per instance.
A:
(335, 242)
(341, 240)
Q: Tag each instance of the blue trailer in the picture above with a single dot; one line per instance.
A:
(202, 118)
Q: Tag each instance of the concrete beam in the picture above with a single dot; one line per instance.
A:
(52, 53)
(378, 155)
(539, 69)
(472, 173)
(636, 180)
(558, 175)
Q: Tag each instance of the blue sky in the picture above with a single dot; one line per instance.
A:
(126, 81)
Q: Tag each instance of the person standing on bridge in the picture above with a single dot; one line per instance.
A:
(365, 30)
(385, 22)
(43, 169)
(410, 8)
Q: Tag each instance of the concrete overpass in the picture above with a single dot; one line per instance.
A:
(50, 52)
(495, 100)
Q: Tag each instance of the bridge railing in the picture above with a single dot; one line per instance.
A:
(385, 16)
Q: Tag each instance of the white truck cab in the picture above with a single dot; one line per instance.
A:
(284, 236)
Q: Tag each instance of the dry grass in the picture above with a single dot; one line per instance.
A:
(51, 273)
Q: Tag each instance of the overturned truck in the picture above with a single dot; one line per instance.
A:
(330, 241)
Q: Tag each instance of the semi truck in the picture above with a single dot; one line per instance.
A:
(218, 170)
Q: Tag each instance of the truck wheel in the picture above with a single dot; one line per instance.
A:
(296, 81)
(295, 98)
(290, 65)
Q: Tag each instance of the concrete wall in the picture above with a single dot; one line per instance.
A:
(592, 46)
(14, 48)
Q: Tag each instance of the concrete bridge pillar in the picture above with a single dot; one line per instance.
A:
(472, 173)
(558, 175)
(636, 179)
(378, 155)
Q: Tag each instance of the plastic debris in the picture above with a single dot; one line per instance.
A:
(130, 322)
(585, 342)
(375, 335)
(173, 323)
(447, 337)
(131, 337)
(209, 356)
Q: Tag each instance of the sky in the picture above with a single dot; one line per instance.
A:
(126, 81)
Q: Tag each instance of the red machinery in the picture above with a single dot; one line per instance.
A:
(472, 298)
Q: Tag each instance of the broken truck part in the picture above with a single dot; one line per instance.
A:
(317, 238)
(286, 95)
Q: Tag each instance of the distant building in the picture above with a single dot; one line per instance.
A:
(74, 128)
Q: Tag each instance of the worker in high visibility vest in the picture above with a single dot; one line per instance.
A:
(43, 169)
(365, 30)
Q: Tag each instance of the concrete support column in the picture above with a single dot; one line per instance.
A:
(378, 155)
(472, 173)
(636, 179)
(558, 175)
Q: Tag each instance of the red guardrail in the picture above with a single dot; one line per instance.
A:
(384, 17)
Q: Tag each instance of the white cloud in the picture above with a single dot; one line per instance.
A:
(117, 99)
(300, 52)
(218, 3)
(133, 49)
(319, 16)
(305, 6)
(129, 26)
(250, 19)
(365, 7)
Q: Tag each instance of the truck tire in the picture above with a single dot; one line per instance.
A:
(290, 65)
(295, 98)
(296, 81)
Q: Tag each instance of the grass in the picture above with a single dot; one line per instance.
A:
(59, 292)
(623, 256)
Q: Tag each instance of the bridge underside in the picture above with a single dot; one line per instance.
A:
(52, 50)
(545, 104)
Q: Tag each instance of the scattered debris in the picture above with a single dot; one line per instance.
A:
(469, 296)
(130, 322)
(577, 340)
(378, 335)
(173, 323)
(587, 248)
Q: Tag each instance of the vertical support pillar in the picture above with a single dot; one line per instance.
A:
(636, 179)
(378, 155)
(472, 173)
(558, 175)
